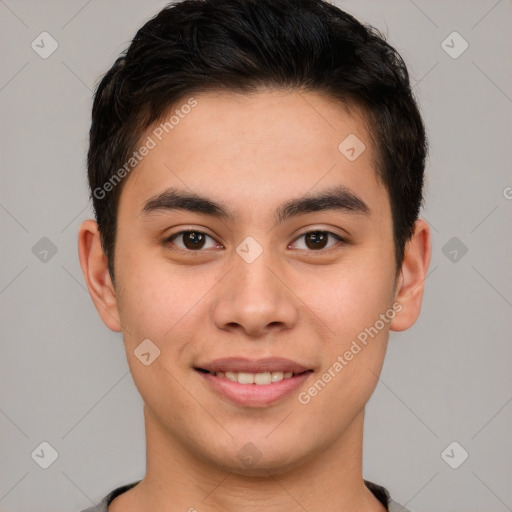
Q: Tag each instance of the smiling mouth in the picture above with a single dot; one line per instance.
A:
(260, 379)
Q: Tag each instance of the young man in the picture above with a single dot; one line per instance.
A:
(256, 169)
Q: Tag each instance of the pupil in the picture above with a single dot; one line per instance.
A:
(193, 240)
(318, 240)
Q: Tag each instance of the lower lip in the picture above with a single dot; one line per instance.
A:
(255, 395)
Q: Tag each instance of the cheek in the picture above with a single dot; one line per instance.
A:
(157, 305)
(356, 306)
(161, 301)
(353, 350)
(147, 296)
(352, 297)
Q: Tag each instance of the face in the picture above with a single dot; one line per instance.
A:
(279, 269)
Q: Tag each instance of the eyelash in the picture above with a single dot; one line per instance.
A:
(171, 245)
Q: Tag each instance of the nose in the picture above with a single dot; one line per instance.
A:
(254, 299)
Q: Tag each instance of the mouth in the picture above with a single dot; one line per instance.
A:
(253, 383)
(260, 378)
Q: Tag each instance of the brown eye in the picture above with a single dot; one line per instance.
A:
(192, 240)
(316, 240)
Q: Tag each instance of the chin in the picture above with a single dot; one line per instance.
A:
(261, 459)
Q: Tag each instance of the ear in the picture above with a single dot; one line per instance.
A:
(411, 281)
(95, 269)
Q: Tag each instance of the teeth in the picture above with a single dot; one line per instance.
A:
(245, 378)
(231, 376)
(277, 376)
(261, 379)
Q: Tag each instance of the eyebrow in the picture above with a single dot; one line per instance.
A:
(338, 198)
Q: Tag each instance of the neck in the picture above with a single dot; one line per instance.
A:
(176, 480)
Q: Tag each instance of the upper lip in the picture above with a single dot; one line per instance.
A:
(241, 364)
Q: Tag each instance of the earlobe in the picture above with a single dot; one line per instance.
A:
(411, 282)
(95, 269)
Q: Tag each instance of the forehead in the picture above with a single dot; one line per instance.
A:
(261, 147)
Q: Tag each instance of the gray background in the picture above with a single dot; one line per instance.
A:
(64, 377)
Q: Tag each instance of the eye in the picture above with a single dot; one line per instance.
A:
(192, 240)
(317, 240)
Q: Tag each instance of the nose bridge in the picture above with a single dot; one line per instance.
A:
(255, 285)
(252, 297)
(251, 268)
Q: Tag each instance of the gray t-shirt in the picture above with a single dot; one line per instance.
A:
(379, 492)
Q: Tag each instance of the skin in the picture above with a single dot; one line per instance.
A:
(253, 153)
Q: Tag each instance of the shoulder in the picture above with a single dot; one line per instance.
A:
(382, 494)
(102, 506)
